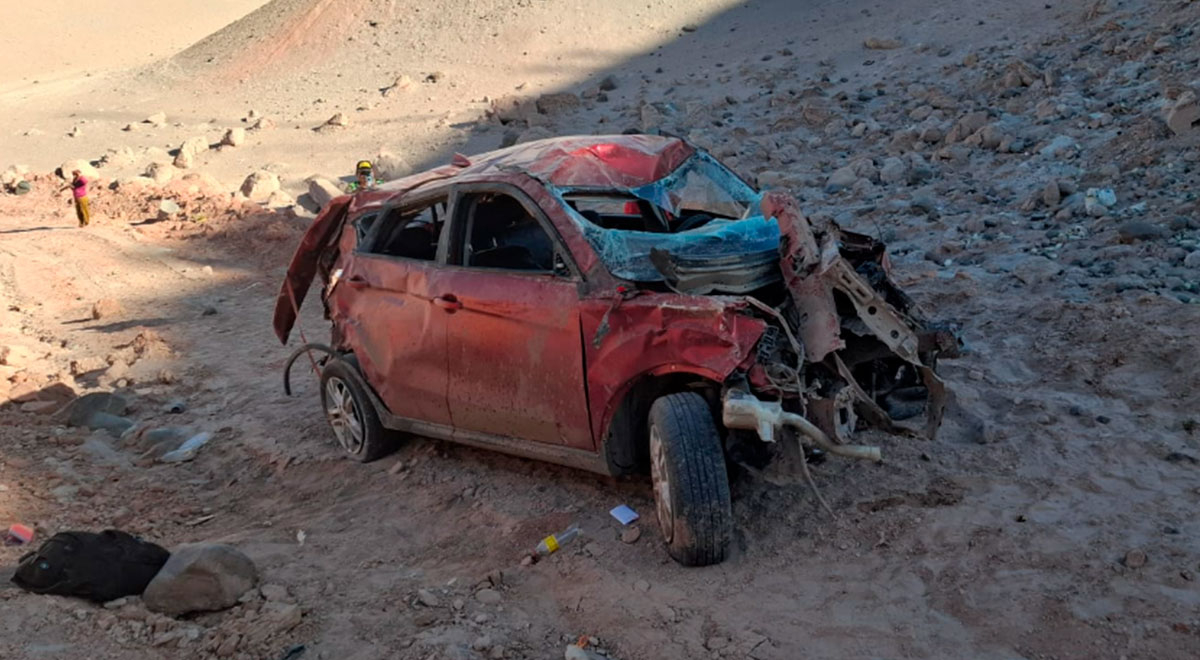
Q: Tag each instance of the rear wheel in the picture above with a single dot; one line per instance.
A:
(351, 414)
(691, 485)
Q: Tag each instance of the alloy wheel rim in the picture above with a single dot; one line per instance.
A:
(662, 485)
(343, 415)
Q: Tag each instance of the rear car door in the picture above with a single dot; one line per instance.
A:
(511, 298)
(386, 298)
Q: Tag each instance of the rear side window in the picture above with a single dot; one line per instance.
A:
(501, 233)
(409, 232)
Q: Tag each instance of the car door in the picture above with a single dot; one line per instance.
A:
(513, 334)
(385, 293)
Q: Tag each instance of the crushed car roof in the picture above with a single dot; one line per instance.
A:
(587, 161)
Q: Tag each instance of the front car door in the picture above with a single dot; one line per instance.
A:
(385, 301)
(511, 294)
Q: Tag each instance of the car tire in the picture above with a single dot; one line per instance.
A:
(351, 414)
(691, 484)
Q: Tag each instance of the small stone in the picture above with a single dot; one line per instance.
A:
(88, 365)
(631, 535)
(608, 84)
(1184, 115)
(274, 592)
(1192, 260)
(1139, 230)
(428, 598)
(339, 120)
(425, 619)
(156, 120)
(488, 596)
(641, 585)
(482, 643)
(842, 178)
(894, 170)
(1135, 558)
(106, 308)
(234, 137)
(1051, 193)
(876, 43)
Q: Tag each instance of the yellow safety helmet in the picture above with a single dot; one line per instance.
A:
(364, 165)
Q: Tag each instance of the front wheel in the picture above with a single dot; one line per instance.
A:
(351, 414)
(691, 485)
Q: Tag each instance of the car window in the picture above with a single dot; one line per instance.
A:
(411, 232)
(363, 225)
(501, 233)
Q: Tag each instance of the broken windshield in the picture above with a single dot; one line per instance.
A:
(701, 210)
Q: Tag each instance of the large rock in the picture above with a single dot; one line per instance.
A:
(189, 150)
(85, 168)
(201, 577)
(258, 186)
(322, 191)
(1184, 115)
(390, 166)
(552, 104)
(161, 172)
(513, 108)
(234, 137)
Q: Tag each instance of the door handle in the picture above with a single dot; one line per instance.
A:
(448, 302)
(357, 281)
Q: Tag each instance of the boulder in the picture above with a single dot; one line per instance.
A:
(322, 191)
(390, 166)
(259, 185)
(189, 150)
(553, 104)
(201, 577)
(280, 200)
(161, 172)
(512, 108)
(234, 137)
(85, 168)
(534, 133)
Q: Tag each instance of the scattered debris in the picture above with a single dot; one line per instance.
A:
(624, 514)
(876, 43)
(187, 451)
(552, 543)
(19, 534)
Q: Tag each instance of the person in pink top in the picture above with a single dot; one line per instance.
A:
(79, 189)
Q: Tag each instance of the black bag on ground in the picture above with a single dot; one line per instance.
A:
(98, 567)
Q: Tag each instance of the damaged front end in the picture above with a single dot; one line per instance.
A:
(844, 347)
(848, 347)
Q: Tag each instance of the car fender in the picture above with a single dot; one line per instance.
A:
(658, 335)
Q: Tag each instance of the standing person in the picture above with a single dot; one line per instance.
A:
(364, 177)
(79, 189)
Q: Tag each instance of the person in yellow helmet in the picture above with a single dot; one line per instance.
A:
(364, 177)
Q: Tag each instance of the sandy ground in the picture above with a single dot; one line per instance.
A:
(1071, 451)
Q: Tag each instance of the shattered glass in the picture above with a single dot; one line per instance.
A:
(701, 185)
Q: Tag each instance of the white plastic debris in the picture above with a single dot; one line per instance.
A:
(187, 451)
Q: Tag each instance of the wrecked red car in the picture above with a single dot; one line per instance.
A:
(618, 304)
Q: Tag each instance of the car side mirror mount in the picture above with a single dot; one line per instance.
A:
(560, 266)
